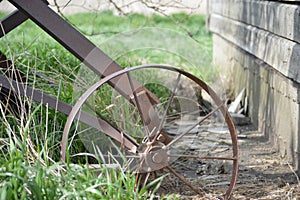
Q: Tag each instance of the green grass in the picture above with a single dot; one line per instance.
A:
(27, 170)
(30, 166)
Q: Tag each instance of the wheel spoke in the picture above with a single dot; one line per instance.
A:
(146, 179)
(168, 105)
(137, 180)
(192, 127)
(183, 180)
(201, 157)
(138, 104)
(141, 180)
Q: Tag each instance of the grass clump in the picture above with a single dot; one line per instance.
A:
(28, 172)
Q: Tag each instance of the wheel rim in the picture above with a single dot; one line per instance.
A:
(175, 106)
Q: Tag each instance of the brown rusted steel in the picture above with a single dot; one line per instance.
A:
(201, 157)
(147, 111)
(196, 124)
(145, 153)
(183, 180)
(39, 12)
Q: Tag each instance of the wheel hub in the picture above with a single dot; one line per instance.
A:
(153, 157)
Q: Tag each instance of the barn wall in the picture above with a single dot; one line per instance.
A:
(257, 46)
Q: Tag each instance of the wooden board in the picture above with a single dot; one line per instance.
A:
(279, 18)
(278, 52)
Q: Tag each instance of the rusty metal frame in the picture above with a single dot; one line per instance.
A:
(75, 42)
(103, 66)
(70, 38)
(11, 22)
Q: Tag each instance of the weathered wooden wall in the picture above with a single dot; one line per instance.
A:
(257, 46)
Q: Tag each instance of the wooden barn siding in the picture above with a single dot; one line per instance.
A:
(257, 46)
(260, 26)
(278, 18)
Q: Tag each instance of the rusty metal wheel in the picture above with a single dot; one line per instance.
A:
(184, 130)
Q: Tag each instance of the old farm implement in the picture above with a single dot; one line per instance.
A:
(144, 115)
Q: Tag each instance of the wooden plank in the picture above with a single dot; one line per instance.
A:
(279, 18)
(278, 52)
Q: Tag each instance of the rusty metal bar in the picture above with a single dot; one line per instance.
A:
(201, 157)
(192, 127)
(183, 180)
(11, 21)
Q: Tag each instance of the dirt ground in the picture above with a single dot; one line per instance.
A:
(263, 174)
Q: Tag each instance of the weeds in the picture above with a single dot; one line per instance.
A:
(27, 171)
